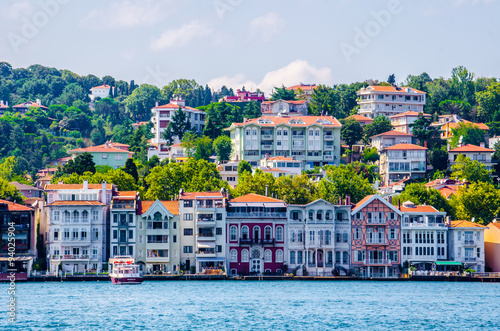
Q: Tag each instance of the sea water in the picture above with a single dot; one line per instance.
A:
(254, 305)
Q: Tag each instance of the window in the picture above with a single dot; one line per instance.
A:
(174, 225)
(95, 215)
(337, 257)
(218, 231)
(392, 234)
(174, 238)
(279, 255)
(75, 234)
(345, 257)
(268, 256)
(218, 248)
(299, 257)
(319, 215)
(292, 257)
(188, 203)
(130, 234)
(244, 255)
(279, 233)
(56, 234)
(218, 216)
(188, 217)
(311, 215)
(267, 233)
(188, 232)
(188, 249)
(344, 237)
(244, 232)
(357, 234)
(233, 233)
(115, 234)
(234, 255)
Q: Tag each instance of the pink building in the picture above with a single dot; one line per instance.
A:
(245, 96)
(256, 235)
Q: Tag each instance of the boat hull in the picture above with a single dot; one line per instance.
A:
(126, 280)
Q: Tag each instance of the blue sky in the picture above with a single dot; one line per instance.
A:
(253, 43)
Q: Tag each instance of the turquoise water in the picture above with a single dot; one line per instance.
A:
(247, 305)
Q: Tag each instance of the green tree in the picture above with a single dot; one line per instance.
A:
(379, 125)
(392, 79)
(82, 163)
(223, 148)
(488, 102)
(189, 143)
(142, 100)
(10, 192)
(177, 127)
(341, 181)
(471, 171)
(281, 93)
(131, 169)
(254, 183)
(351, 132)
(424, 132)
(244, 166)
(419, 195)
(296, 189)
(469, 132)
(252, 110)
(204, 148)
(438, 159)
(370, 155)
(480, 201)
(219, 116)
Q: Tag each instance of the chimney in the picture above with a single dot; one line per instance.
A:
(85, 184)
(267, 156)
(1, 103)
(425, 144)
(156, 104)
(38, 102)
(107, 144)
(266, 190)
(103, 192)
(348, 200)
(448, 221)
(481, 144)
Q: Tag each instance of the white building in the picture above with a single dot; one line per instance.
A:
(158, 236)
(318, 238)
(202, 226)
(474, 153)
(284, 107)
(123, 224)
(287, 165)
(424, 235)
(402, 122)
(101, 91)
(229, 172)
(387, 101)
(314, 140)
(390, 138)
(402, 161)
(77, 236)
(162, 115)
(466, 244)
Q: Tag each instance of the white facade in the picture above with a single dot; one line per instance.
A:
(229, 172)
(387, 101)
(318, 238)
(314, 140)
(390, 138)
(467, 244)
(202, 230)
(402, 122)
(402, 161)
(424, 238)
(288, 165)
(101, 91)
(474, 153)
(123, 225)
(283, 107)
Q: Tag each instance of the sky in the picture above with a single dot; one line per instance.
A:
(253, 43)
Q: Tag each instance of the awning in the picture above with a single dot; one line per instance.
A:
(18, 236)
(237, 204)
(447, 263)
(275, 205)
(210, 259)
(206, 245)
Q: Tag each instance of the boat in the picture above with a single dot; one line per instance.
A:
(124, 271)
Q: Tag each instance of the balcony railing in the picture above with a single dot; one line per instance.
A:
(328, 157)
(298, 147)
(376, 241)
(122, 206)
(70, 257)
(328, 137)
(266, 147)
(268, 241)
(267, 137)
(375, 221)
(246, 241)
(468, 258)
(415, 224)
(377, 261)
(328, 147)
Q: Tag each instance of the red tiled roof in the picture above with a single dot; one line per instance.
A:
(252, 197)
(273, 170)
(361, 118)
(471, 148)
(195, 195)
(101, 87)
(392, 89)
(125, 194)
(481, 126)
(281, 158)
(77, 203)
(419, 209)
(465, 224)
(365, 199)
(175, 106)
(411, 113)
(29, 104)
(306, 87)
(404, 147)
(495, 224)
(98, 149)
(393, 133)
(308, 120)
(172, 206)
(76, 186)
(12, 206)
(448, 191)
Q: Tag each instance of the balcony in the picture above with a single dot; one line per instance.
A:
(376, 241)
(328, 137)
(266, 147)
(469, 242)
(423, 224)
(375, 221)
(377, 262)
(117, 205)
(257, 215)
(328, 157)
(298, 147)
(122, 240)
(205, 253)
(70, 257)
(206, 222)
(267, 137)
(469, 259)
(328, 147)
(268, 241)
(206, 237)
(245, 241)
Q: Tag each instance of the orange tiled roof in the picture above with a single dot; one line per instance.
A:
(448, 191)
(368, 197)
(495, 224)
(194, 195)
(393, 133)
(273, 170)
(481, 126)
(361, 118)
(392, 89)
(471, 148)
(125, 195)
(405, 147)
(12, 206)
(98, 149)
(308, 120)
(101, 86)
(252, 197)
(281, 158)
(419, 209)
(175, 106)
(29, 104)
(411, 113)
(172, 206)
(77, 202)
(76, 186)
(465, 224)
(307, 87)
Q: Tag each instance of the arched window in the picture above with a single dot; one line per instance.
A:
(233, 233)
(328, 215)
(316, 133)
(279, 233)
(234, 255)
(268, 256)
(256, 232)
(76, 216)
(267, 233)
(157, 216)
(319, 215)
(311, 132)
(247, 132)
(244, 255)
(285, 132)
(66, 216)
(85, 216)
(279, 255)
(244, 232)
(311, 215)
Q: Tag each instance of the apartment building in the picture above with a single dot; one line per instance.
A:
(284, 107)
(402, 122)
(466, 244)
(387, 101)
(375, 238)
(123, 224)
(203, 234)
(314, 140)
(402, 161)
(318, 238)
(390, 138)
(474, 153)
(282, 165)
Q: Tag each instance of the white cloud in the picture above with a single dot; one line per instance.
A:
(180, 36)
(266, 27)
(127, 14)
(294, 73)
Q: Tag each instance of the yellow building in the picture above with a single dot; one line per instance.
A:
(492, 246)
